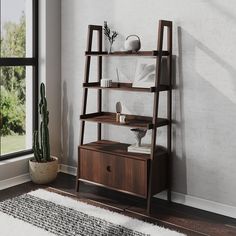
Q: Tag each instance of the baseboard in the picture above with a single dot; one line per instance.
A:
(201, 203)
(20, 179)
(68, 169)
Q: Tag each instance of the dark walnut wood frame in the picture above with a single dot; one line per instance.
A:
(109, 164)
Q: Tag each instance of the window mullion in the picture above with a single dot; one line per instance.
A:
(18, 61)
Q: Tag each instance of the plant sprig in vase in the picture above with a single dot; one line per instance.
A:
(110, 35)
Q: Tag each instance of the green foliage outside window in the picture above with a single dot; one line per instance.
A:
(12, 79)
(12, 113)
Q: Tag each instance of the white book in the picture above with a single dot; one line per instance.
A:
(144, 148)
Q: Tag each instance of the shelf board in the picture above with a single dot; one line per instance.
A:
(120, 149)
(135, 121)
(126, 87)
(153, 53)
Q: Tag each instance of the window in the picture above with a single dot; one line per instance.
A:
(18, 76)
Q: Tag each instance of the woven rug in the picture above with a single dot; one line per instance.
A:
(41, 213)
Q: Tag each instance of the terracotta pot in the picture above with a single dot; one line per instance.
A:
(43, 172)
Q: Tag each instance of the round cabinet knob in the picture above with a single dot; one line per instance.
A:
(108, 168)
(132, 43)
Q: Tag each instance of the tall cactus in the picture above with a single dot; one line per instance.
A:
(42, 148)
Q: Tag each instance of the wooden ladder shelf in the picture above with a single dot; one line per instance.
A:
(109, 164)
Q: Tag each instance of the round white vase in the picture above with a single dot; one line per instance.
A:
(132, 43)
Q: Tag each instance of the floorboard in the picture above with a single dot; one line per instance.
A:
(174, 216)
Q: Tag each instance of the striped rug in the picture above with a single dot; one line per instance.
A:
(41, 213)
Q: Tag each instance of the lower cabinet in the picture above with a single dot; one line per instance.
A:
(108, 164)
(114, 171)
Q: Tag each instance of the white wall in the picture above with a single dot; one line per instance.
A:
(205, 98)
(50, 67)
(75, 18)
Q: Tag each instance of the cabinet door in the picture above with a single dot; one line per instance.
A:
(117, 172)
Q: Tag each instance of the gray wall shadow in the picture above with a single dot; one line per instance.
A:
(214, 192)
(67, 130)
(71, 136)
(178, 126)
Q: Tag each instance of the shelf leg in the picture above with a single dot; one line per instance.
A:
(86, 79)
(77, 185)
(99, 92)
(78, 172)
(169, 112)
(155, 112)
(91, 29)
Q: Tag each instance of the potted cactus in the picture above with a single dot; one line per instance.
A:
(43, 167)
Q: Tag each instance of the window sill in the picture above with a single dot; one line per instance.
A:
(16, 159)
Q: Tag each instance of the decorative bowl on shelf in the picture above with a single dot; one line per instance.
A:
(132, 43)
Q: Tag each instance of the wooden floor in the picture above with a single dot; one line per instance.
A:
(184, 219)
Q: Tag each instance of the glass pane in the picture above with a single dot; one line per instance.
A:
(15, 108)
(16, 28)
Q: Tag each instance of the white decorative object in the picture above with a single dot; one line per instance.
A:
(145, 73)
(132, 43)
(118, 111)
(122, 118)
(43, 172)
(138, 134)
(106, 82)
(138, 147)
